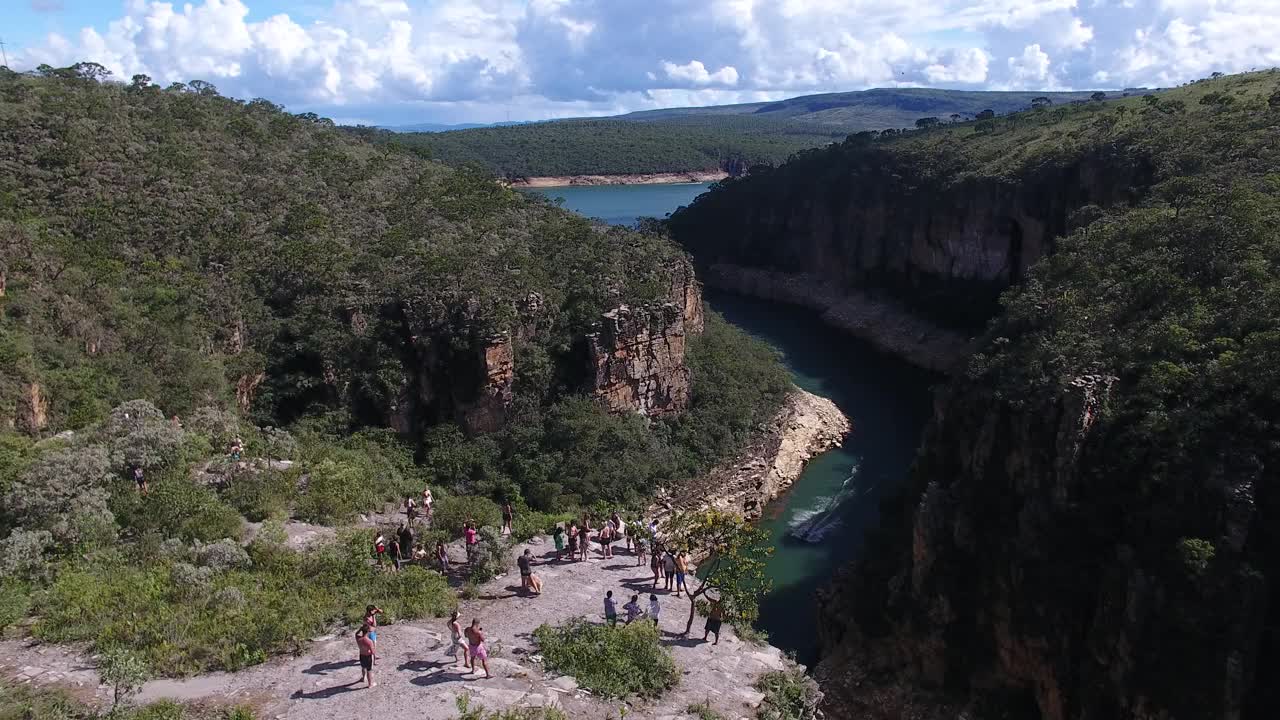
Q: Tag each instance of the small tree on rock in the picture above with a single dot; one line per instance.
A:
(733, 571)
(123, 671)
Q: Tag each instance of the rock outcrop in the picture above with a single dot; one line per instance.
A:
(637, 361)
(33, 410)
(1012, 565)
(806, 426)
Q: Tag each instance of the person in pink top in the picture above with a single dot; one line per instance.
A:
(471, 537)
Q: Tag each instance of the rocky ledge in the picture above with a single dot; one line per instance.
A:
(886, 324)
(692, 176)
(805, 426)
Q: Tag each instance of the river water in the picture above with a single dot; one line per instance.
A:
(819, 525)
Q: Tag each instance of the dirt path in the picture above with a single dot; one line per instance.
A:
(415, 678)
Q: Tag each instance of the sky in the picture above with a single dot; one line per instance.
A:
(391, 62)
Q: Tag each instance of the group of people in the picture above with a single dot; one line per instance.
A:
(469, 642)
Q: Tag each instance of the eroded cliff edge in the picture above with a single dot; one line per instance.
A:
(806, 426)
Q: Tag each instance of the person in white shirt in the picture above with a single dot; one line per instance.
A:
(654, 609)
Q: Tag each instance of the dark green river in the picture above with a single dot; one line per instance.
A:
(819, 525)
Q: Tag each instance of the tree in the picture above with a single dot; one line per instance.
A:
(926, 122)
(124, 671)
(956, 117)
(733, 571)
(200, 87)
(1041, 101)
(140, 82)
(90, 71)
(1098, 96)
(987, 114)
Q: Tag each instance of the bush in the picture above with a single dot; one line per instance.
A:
(451, 512)
(15, 602)
(335, 492)
(278, 444)
(177, 506)
(60, 488)
(123, 671)
(131, 417)
(151, 447)
(279, 604)
(610, 661)
(489, 558)
(223, 555)
(22, 554)
(216, 425)
(530, 523)
(788, 695)
(189, 581)
(259, 494)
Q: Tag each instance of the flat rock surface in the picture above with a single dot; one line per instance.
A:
(417, 680)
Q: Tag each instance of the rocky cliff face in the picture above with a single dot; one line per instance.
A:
(635, 362)
(1012, 565)
(882, 225)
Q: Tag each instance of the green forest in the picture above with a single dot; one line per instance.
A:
(732, 138)
(1172, 299)
(179, 270)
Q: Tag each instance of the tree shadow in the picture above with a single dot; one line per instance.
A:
(325, 668)
(495, 596)
(670, 638)
(441, 677)
(422, 665)
(620, 566)
(327, 692)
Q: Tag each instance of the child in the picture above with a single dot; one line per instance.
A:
(654, 609)
(558, 536)
(610, 609)
(633, 609)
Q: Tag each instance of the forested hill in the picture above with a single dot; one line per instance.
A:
(727, 137)
(1089, 527)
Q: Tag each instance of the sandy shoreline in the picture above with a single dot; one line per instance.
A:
(699, 176)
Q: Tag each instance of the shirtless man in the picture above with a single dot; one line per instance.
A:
(365, 647)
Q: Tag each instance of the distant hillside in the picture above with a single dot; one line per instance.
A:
(725, 137)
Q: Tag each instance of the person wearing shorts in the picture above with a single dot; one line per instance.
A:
(140, 477)
(682, 564)
(557, 535)
(655, 564)
(508, 519)
(475, 643)
(455, 632)
(610, 609)
(669, 568)
(573, 541)
(365, 647)
(714, 620)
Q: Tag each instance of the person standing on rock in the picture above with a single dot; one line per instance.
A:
(682, 565)
(610, 609)
(410, 509)
(573, 540)
(527, 579)
(633, 609)
(371, 613)
(655, 563)
(640, 543)
(396, 552)
(557, 536)
(584, 537)
(508, 519)
(714, 619)
(654, 609)
(406, 539)
(380, 550)
(606, 540)
(470, 535)
(455, 631)
(365, 647)
(475, 641)
(669, 568)
(442, 557)
(426, 502)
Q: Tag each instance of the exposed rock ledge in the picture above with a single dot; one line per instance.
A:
(885, 324)
(699, 176)
(805, 426)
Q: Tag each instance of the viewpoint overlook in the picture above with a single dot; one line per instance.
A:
(890, 373)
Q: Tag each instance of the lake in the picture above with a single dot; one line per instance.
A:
(819, 525)
(624, 204)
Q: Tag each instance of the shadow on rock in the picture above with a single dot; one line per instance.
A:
(325, 668)
(328, 692)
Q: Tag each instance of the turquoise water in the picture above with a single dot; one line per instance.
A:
(819, 525)
(624, 204)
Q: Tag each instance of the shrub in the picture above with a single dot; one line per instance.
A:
(749, 633)
(609, 661)
(151, 447)
(467, 711)
(180, 507)
(788, 695)
(259, 493)
(704, 711)
(335, 492)
(123, 671)
(278, 444)
(228, 598)
(130, 417)
(60, 487)
(189, 581)
(489, 558)
(450, 513)
(22, 554)
(530, 523)
(15, 602)
(1196, 554)
(216, 425)
(223, 555)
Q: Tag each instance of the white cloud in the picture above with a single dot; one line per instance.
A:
(695, 73)
(479, 59)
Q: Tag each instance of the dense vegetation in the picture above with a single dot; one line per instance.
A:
(179, 269)
(30, 702)
(1167, 297)
(730, 137)
(610, 661)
